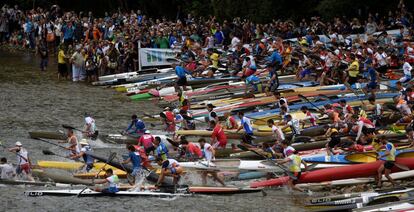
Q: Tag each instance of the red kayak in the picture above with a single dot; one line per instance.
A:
(337, 173)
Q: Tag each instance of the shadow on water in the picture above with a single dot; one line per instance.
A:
(33, 100)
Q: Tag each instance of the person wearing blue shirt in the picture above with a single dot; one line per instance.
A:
(274, 63)
(136, 127)
(30, 32)
(372, 75)
(135, 159)
(254, 82)
(218, 37)
(247, 126)
(161, 151)
(181, 73)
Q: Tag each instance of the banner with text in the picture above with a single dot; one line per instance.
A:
(156, 57)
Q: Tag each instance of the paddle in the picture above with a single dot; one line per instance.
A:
(307, 100)
(268, 159)
(46, 141)
(94, 136)
(48, 152)
(110, 158)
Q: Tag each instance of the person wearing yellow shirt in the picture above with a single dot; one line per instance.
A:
(388, 161)
(62, 67)
(294, 161)
(213, 61)
(353, 70)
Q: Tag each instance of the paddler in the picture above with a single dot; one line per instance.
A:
(373, 76)
(183, 100)
(294, 126)
(188, 121)
(169, 167)
(146, 140)
(211, 114)
(247, 126)
(294, 161)
(404, 109)
(136, 128)
(7, 170)
(253, 85)
(277, 133)
(161, 150)
(365, 127)
(192, 151)
(112, 180)
(90, 126)
(168, 119)
(280, 101)
(312, 118)
(209, 153)
(85, 149)
(389, 161)
(334, 140)
(181, 73)
(218, 137)
(347, 110)
(377, 109)
(135, 159)
(230, 123)
(73, 143)
(23, 161)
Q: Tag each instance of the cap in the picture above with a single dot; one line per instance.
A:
(18, 143)
(83, 142)
(166, 108)
(147, 132)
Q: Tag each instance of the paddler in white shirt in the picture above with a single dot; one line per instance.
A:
(208, 152)
(112, 180)
(90, 126)
(7, 170)
(23, 161)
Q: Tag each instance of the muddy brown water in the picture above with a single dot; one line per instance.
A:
(31, 100)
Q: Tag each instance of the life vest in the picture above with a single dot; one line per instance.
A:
(144, 157)
(391, 156)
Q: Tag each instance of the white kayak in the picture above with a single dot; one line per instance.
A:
(243, 165)
(88, 192)
(129, 75)
(407, 205)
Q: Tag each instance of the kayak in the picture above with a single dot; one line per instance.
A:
(337, 173)
(89, 193)
(222, 190)
(142, 96)
(364, 157)
(108, 138)
(405, 205)
(58, 178)
(355, 181)
(66, 165)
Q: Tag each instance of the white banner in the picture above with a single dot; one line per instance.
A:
(156, 57)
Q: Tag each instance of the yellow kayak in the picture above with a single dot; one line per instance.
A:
(70, 165)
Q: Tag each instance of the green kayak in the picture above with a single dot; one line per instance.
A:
(141, 96)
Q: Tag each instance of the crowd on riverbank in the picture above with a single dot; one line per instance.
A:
(89, 46)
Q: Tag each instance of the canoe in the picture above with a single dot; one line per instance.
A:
(47, 135)
(89, 193)
(337, 173)
(58, 178)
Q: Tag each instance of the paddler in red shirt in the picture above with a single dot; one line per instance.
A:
(231, 123)
(146, 141)
(218, 137)
(168, 118)
(192, 151)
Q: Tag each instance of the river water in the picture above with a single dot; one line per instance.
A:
(31, 100)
